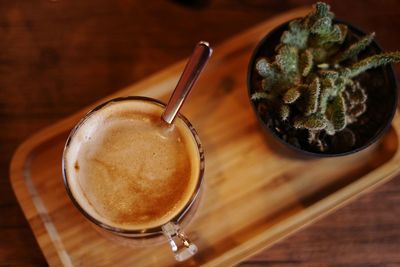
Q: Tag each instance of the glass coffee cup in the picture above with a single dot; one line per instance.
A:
(133, 175)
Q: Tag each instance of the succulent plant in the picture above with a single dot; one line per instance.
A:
(311, 81)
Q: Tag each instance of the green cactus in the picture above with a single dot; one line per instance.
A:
(311, 79)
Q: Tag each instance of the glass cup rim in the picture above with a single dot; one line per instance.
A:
(142, 232)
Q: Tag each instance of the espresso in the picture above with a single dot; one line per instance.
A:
(130, 170)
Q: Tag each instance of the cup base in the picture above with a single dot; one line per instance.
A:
(156, 239)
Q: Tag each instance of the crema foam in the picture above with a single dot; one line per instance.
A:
(128, 169)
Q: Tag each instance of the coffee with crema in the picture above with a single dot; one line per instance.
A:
(128, 169)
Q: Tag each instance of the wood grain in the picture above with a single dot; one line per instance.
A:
(249, 202)
(262, 201)
(58, 56)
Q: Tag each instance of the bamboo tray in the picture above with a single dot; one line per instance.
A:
(253, 195)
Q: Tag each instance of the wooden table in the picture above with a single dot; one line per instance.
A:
(59, 56)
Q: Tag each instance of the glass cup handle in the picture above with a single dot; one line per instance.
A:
(180, 244)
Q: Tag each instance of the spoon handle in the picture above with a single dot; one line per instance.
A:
(195, 65)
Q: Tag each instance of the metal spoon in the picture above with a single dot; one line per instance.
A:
(193, 68)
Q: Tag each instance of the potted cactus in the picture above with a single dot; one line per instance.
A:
(321, 86)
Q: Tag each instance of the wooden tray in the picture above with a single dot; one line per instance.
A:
(253, 195)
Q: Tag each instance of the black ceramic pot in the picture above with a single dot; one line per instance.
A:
(380, 85)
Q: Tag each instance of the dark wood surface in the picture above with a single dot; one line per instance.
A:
(59, 56)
